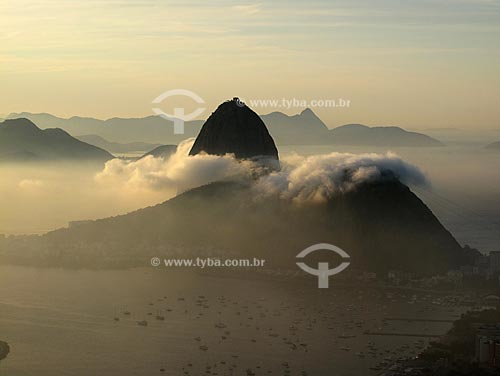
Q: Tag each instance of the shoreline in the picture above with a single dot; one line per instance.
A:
(4, 350)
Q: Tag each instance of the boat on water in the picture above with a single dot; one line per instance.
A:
(159, 316)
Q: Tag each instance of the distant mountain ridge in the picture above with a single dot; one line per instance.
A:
(162, 151)
(150, 129)
(305, 128)
(301, 129)
(117, 147)
(493, 145)
(22, 140)
(359, 134)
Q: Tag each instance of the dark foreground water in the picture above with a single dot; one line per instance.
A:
(62, 322)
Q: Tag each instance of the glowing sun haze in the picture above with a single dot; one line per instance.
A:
(429, 63)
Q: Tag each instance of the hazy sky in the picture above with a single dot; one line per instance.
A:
(429, 63)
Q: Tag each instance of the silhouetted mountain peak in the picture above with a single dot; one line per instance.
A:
(359, 134)
(163, 151)
(19, 125)
(308, 112)
(235, 129)
(21, 139)
(351, 127)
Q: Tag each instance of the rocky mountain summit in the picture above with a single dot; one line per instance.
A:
(235, 129)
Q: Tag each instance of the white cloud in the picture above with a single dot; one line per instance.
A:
(320, 177)
(179, 172)
(312, 178)
(30, 184)
(248, 8)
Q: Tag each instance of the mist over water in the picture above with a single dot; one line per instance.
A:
(36, 198)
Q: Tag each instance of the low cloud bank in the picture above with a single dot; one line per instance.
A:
(179, 171)
(301, 178)
(319, 177)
